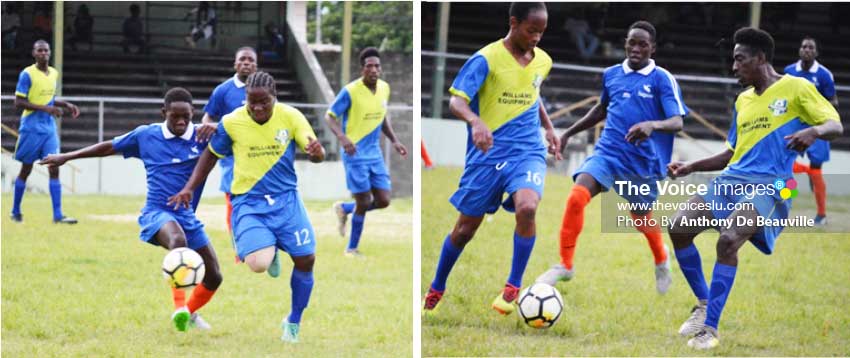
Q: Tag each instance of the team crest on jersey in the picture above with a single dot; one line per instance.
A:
(282, 136)
(647, 88)
(538, 80)
(779, 107)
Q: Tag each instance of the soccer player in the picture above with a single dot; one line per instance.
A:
(642, 105)
(169, 152)
(227, 97)
(267, 211)
(774, 119)
(36, 95)
(497, 92)
(809, 68)
(361, 106)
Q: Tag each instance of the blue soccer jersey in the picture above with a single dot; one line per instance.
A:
(362, 113)
(40, 89)
(648, 94)
(506, 96)
(817, 75)
(226, 98)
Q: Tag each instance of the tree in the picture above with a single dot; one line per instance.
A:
(387, 24)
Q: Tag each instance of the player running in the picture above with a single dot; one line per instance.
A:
(357, 117)
(497, 92)
(776, 118)
(169, 152)
(267, 211)
(642, 105)
(36, 94)
(809, 68)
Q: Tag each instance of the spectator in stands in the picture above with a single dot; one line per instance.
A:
(42, 25)
(275, 39)
(11, 22)
(134, 31)
(204, 27)
(584, 39)
(82, 30)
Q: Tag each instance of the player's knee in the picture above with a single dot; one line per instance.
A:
(53, 172)
(462, 235)
(213, 278)
(256, 264)
(727, 246)
(381, 203)
(177, 240)
(305, 263)
(526, 209)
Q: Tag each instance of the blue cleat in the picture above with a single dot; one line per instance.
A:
(17, 217)
(820, 220)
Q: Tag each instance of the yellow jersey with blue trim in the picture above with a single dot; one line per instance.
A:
(362, 113)
(38, 88)
(263, 154)
(761, 122)
(506, 96)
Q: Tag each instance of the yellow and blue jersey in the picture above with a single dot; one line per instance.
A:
(40, 89)
(263, 154)
(761, 122)
(506, 96)
(226, 97)
(361, 114)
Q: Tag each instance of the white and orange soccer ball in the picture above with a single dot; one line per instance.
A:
(540, 305)
(183, 268)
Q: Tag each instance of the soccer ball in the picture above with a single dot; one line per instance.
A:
(183, 268)
(540, 305)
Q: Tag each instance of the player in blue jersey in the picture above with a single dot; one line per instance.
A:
(225, 98)
(642, 106)
(268, 213)
(809, 68)
(357, 117)
(169, 152)
(497, 92)
(36, 95)
(775, 118)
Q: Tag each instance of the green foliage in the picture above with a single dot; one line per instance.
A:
(373, 23)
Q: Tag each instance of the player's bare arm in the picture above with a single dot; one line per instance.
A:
(336, 128)
(102, 149)
(23, 103)
(315, 150)
(641, 131)
(551, 137)
(75, 112)
(481, 135)
(715, 162)
(801, 140)
(207, 128)
(595, 115)
(205, 164)
(387, 129)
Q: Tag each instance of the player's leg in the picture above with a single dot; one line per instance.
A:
(260, 260)
(363, 201)
(525, 205)
(800, 168)
(357, 182)
(196, 239)
(27, 151)
(819, 189)
(51, 146)
(229, 217)
(463, 232)
(171, 236)
(682, 233)
(663, 277)
(299, 240)
(20, 189)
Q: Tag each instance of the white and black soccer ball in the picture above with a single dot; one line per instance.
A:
(183, 268)
(540, 305)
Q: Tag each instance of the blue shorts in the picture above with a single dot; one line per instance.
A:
(35, 146)
(767, 206)
(606, 170)
(278, 220)
(818, 152)
(364, 177)
(482, 186)
(152, 219)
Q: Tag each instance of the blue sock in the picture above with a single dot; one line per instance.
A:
(301, 284)
(356, 230)
(522, 251)
(56, 197)
(20, 188)
(721, 283)
(348, 208)
(691, 266)
(448, 257)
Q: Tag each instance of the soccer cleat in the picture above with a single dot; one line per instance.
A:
(557, 273)
(820, 220)
(181, 318)
(504, 302)
(65, 220)
(17, 217)
(290, 331)
(197, 322)
(707, 338)
(695, 323)
(342, 218)
(663, 278)
(274, 267)
(431, 302)
(353, 253)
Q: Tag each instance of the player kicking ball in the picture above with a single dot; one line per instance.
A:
(169, 152)
(267, 210)
(776, 118)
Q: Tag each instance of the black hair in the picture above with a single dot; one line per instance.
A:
(246, 48)
(812, 39)
(645, 26)
(40, 41)
(368, 52)
(755, 40)
(520, 10)
(134, 9)
(177, 94)
(261, 79)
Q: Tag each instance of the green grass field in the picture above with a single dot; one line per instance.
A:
(790, 303)
(95, 290)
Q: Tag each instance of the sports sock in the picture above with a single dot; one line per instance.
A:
(356, 230)
(653, 237)
(348, 208)
(572, 223)
(200, 296)
(56, 198)
(301, 284)
(800, 168)
(448, 257)
(426, 159)
(522, 251)
(179, 297)
(721, 284)
(691, 266)
(20, 188)
(229, 206)
(819, 187)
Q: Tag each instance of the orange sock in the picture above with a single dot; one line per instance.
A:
(800, 168)
(572, 223)
(200, 296)
(179, 297)
(425, 157)
(653, 237)
(819, 186)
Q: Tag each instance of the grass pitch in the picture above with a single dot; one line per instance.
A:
(94, 289)
(790, 303)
